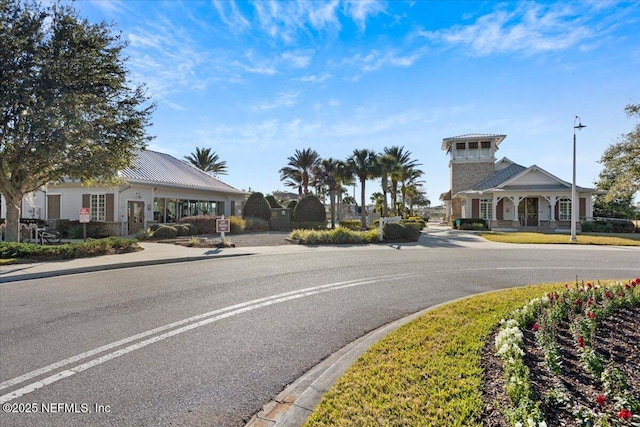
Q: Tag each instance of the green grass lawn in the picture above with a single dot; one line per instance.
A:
(627, 239)
(428, 371)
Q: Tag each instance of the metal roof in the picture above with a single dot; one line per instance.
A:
(152, 167)
(499, 177)
(446, 142)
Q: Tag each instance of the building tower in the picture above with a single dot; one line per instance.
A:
(472, 160)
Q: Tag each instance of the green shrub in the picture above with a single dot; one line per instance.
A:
(256, 224)
(75, 230)
(155, 226)
(309, 225)
(273, 203)
(164, 231)
(292, 204)
(309, 209)
(415, 220)
(338, 236)
(205, 224)
(257, 207)
(237, 225)
(144, 234)
(478, 226)
(91, 247)
(473, 223)
(351, 224)
(401, 232)
(608, 226)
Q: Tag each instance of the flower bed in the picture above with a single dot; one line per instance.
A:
(585, 372)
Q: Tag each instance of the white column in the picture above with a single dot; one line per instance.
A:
(494, 207)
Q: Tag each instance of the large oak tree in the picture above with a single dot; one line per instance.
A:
(68, 109)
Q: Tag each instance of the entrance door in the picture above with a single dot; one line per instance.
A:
(528, 212)
(135, 217)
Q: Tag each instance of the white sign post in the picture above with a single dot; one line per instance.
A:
(222, 226)
(85, 217)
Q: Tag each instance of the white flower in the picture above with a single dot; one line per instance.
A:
(518, 424)
(542, 424)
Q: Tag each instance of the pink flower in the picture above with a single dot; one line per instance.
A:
(591, 315)
(535, 327)
(608, 294)
(578, 301)
(625, 414)
(600, 400)
(590, 301)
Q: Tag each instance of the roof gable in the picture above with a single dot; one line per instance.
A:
(534, 176)
(152, 167)
(500, 176)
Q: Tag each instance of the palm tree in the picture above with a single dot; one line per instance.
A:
(408, 176)
(207, 161)
(378, 200)
(403, 161)
(362, 163)
(292, 178)
(328, 173)
(387, 165)
(299, 167)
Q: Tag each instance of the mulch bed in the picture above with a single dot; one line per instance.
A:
(618, 339)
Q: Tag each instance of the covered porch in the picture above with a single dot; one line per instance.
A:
(525, 211)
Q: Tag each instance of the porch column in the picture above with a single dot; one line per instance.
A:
(552, 201)
(494, 207)
(516, 201)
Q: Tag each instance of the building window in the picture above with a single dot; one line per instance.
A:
(564, 208)
(460, 150)
(485, 149)
(473, 150)
(98, 205)
(486, 209)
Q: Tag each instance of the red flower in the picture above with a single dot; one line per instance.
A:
(580, 342)
(620, 294)
(608, 294)
(535, 327)
(625, 414)
(600, 400)
(589, 285)
(590, 301)
(578, 301)
(591, 315)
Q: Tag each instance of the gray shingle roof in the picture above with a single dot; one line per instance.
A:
(152, 167)
(499, 177)
(475, 135)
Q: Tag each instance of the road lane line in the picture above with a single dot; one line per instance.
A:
(200, 320)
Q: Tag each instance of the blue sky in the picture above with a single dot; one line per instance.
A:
(257, 80)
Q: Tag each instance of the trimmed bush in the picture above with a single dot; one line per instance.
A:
(237, 225)
(351, 224)
(272, 202)
(257, 207)
(608, 226)
(338, 236)
(75, 230)
(415, 220)
(91, 247)
(292, 204)
(256, 224)
(401, 232)
(185, 229)
(471, 223)
(205, 224)
(164, 231)
(309, 209)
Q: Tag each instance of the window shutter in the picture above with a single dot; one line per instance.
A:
(109, 207)
(86, 200)
(557, 210)
(475, 208)
(500, 210)
(582, 209)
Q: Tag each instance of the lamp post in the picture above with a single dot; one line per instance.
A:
(574, 208)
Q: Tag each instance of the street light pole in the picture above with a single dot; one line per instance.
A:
(574, 207)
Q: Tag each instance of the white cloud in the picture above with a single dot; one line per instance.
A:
(284, 99)
(360, 10)
(231, 15)
(297, 60)
(529, 28)
(375, 59)
(314, 78)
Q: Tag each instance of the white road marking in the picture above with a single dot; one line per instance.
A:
(191, 323)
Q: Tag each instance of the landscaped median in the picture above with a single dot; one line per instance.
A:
(620, 239)
(11, 253)
(430, 372)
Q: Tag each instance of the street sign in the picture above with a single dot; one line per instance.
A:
(85, 215)
(223, 225)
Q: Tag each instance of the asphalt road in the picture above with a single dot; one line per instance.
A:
(208, 342)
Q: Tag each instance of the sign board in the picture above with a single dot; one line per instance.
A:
(223, 225)
(85, 215)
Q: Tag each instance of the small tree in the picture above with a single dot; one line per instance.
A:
(363, 164)
(257, 207)
(273, 203)
(67, 107)
(310, 210)
(207, 161)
